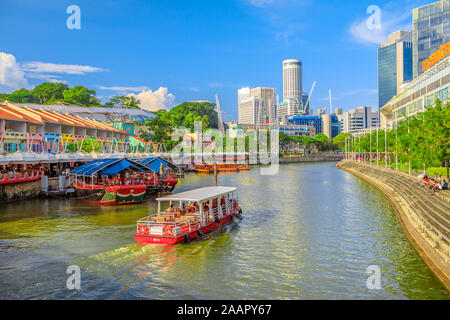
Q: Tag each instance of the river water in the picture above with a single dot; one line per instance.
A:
(309, 232)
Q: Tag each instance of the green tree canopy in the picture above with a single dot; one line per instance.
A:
(81, 96)
(123, 102)
(21, 96)
(48, 92)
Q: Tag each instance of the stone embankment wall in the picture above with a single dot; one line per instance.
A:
(19, 191)
(424, 216)
(312, 158)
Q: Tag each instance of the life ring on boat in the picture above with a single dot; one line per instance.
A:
(167, 230)
(143, 229)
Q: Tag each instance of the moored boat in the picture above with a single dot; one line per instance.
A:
(198, 212)
(169, 179)
(112, 181)
(220, 167)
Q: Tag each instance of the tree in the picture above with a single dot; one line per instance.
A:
(123, 102)
(339, 140)
(22, 96)
(48, 92)
(81, 96)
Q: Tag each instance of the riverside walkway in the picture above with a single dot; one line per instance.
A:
(424, 215)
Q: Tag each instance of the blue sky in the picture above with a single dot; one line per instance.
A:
(175, 51)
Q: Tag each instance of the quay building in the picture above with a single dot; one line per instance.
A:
(433, 84)
(36, 134)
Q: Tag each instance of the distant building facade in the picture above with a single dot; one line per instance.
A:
(359, 119)
(314, 121)
(431, 29)
(251, 111)
(394, 65)
(292, 80)
(423, 91)
(330, 125)
(268, 96)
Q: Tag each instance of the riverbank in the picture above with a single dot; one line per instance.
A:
(423, 216)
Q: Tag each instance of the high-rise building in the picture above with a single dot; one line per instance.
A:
(394, 65)
(359, 119)
(431, 29)
(268, 95)
(289, 108)
(330, 125)
(251, 111)
(321, 112)
(292, 80)
(243, 94)
(338, 111)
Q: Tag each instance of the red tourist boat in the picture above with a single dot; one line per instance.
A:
(198, 212)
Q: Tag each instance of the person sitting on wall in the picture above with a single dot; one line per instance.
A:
(445, 185)
(425, 181)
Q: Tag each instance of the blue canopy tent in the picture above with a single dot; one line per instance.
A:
(155, 163)
(108, 167)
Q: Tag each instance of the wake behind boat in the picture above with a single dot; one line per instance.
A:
(199, 211)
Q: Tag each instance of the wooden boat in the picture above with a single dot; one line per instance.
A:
(244, 166)
(220, 167)
(198, 212)
(112, 181)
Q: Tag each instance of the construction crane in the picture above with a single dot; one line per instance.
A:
(309, 96)
(331, 106)
(219, 116)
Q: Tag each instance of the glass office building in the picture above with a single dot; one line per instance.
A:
(313, 121)
(431, 29)
(394, 65)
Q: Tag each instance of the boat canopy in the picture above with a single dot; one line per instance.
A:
(108, 167)
(199, 195)
(154, 163)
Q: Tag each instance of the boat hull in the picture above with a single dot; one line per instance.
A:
(113, 195)
(151, 239)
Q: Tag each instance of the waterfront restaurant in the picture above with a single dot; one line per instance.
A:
(23, 129)
(421, 92)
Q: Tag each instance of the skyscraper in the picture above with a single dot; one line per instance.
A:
(394, 65)
(431, 29)
(292, 80)
(251, 111)
(268, 95)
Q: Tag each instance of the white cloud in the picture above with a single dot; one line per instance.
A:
(44, 67)
(11, 76)
(124, 89)
(156, 100)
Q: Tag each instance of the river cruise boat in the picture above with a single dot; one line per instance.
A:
(112, 181)
(220, 167)
(189, 215)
